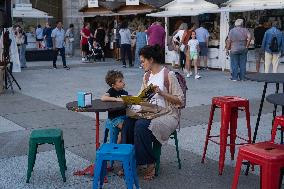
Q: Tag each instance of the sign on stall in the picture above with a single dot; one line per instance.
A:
(23, 7)
(132, 2)
(93, 3)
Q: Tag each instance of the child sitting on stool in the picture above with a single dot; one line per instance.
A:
(115, 118)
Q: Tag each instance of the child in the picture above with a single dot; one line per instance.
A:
(115, 80)
(193, 45)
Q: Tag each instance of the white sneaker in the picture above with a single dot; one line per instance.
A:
(197, 76)
(83, 59)
(188, 75)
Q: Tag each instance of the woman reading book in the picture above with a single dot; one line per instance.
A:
(142, 132)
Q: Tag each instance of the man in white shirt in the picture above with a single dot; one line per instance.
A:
(58, 40)
(202, 35)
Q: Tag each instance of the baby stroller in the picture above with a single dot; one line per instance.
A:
(95, 51)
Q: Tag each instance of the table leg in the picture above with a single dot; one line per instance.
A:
(275, 106)
(282, 114)
(90, 169)
(97, 130)
(259, 113)
(258, 119)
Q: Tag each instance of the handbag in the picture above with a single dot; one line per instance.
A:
(146, 111)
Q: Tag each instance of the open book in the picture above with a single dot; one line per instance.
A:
(144, 96)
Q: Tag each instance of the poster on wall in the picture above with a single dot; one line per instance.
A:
(93, 3)
(132, 2)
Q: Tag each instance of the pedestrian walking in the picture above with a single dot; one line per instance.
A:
(47, 36)
(237, 44)
(273, 45)
(58, 39)
(259, 32)
(39, 36)
(21, 40)
(178, 38)
(186, 38)
(141, 41)
(69, 35)
(202, 35)
(125, 44)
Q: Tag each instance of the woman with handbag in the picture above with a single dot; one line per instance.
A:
(69, 41)
(145, 128)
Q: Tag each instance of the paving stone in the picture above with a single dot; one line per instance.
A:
(8, 126)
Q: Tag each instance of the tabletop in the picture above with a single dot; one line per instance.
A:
(97, 106)
(266, 77)
(277, 99)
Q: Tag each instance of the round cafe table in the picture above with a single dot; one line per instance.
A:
(97, 107)
(266, 78)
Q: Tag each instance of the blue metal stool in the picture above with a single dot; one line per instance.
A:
(119, 152)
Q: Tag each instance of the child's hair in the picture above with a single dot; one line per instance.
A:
(112, 76)
(192, 33)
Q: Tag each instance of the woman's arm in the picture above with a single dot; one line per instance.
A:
(106, 97)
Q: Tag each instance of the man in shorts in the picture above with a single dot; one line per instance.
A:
(202, 35)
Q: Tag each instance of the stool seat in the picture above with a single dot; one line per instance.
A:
(233, 101)
(116, 149)
(46, 134)
(266, 150)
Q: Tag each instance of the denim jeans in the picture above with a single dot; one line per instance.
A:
(238, 64)
(62, 54)
(22, 55)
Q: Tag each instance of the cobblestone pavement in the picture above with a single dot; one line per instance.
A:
(41, 104)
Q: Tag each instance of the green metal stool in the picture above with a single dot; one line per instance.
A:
(157, 147)
(50, 136)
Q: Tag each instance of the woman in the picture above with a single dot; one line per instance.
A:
(21, 40)
(100, 35)
(141, 41)
(178, 38)
(69, 35)
(143, 132)
(125, 44)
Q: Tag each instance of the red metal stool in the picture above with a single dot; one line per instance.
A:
(229, 117)
(269, 156)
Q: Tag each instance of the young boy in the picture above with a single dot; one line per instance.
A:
(115, 80)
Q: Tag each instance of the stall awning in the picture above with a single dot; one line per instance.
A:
(190, 8)
(249, 5)
(34, 13)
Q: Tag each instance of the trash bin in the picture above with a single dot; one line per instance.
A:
(2, 72)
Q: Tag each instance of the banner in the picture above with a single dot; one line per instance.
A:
(132, 2)
(93, 3)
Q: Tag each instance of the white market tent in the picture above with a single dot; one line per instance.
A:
(186, 8)
(34, 13)
(250, 5)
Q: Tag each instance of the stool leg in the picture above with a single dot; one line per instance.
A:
(59, 152)
(248, 122)
(97, 173)
(233, 131)
(225, 118)
(237, 172)
(208, 131)
(136, 180)
(271, 176)
(128, 174)
(157, 148)
(177, 150)
(31, 159)
(63, 153)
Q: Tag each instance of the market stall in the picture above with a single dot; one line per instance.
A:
(253, 11)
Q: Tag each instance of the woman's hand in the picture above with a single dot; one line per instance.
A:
(158, 90)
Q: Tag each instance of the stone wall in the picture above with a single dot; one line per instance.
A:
(71, 14)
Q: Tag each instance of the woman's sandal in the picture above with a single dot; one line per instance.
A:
(150, 172)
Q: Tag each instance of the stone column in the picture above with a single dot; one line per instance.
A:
(71, 15)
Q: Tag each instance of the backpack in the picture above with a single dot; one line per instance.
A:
(180, 78)
(171, 43)
(274, 44)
